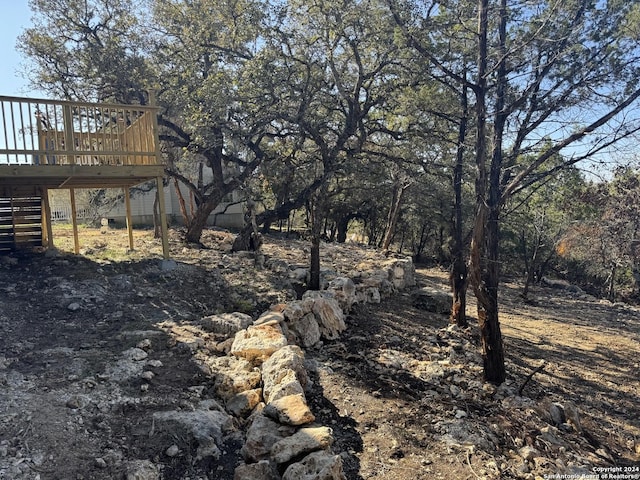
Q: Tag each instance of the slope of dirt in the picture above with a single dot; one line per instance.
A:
(402, 391)
(398, 421)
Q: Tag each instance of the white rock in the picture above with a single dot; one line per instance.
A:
(262, 434)
(290, 410)
(284, 367)
(528, 453)
(258, 342)
(262, 470)
(328, 313)
(142, 470)
(316, 466)
(207, 427)
(305, 440)
(172, 451)
(226, 323)
(306, 329)
(233, 375)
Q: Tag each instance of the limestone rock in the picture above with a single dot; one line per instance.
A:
(243, 403)
(172, 451)
(287, 384)
(432, 300)
(233, 375)
(295, 310)
(258, 342)
(299, 275)
(344, 291)
(528, 453)
(367, 294)
(306, 330)
(263, 470)
(552, 435)
(573, 417)
(401, 272)
(270, 318)
(136, 354)
(369, 281)
(290, 410)
(226, 323)
(305, 440)
(557, 414)
(460, 433)
(284, 367)
(142, 470)
(328, 313)
(262, 434)
(207, 427)
(316, 466)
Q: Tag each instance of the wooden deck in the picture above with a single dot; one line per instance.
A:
(75, 176)
(48, 144)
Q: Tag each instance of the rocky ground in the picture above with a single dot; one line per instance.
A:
(94, 352)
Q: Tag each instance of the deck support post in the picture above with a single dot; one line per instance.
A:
(46, 219)
(159, 184)
(74, 221)
(163, 217)
(127, 206)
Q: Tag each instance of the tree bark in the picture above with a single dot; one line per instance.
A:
(199, 219)
(458, 276)
(183, 205)
(316, 230)
(484, 273)
(157, 230)
(394, 212)
(342, 224)
(611, 294)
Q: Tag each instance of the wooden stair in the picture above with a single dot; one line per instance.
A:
(20, 219)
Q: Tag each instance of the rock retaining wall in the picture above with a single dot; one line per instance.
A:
(263, 379)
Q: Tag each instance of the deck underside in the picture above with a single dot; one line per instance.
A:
(26, 177)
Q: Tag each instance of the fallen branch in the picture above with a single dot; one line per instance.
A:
(530, 376)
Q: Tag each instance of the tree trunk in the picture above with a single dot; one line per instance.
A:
(316, 230)
(199, 219)
(611, 294)
(249, 238)
(528, 265)
(458, 277)
(422, 243)
(342, 224)
(394, 212)
(183, 206)
(484, 274)
(157, 230)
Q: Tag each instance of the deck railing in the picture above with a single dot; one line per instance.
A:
(48, 132)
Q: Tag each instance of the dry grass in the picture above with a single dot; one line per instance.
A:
(107, 242)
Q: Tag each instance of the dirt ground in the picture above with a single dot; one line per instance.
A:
(402, 391)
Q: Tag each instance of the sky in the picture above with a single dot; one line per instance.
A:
(15, 17)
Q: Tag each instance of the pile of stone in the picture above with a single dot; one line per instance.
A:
(263, 379)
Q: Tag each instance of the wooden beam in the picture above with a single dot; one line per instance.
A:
(159, 185)
(163, 217)
(46, 218)
(80, 171)
(127, 205)
(74, 221)
(68, 133)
